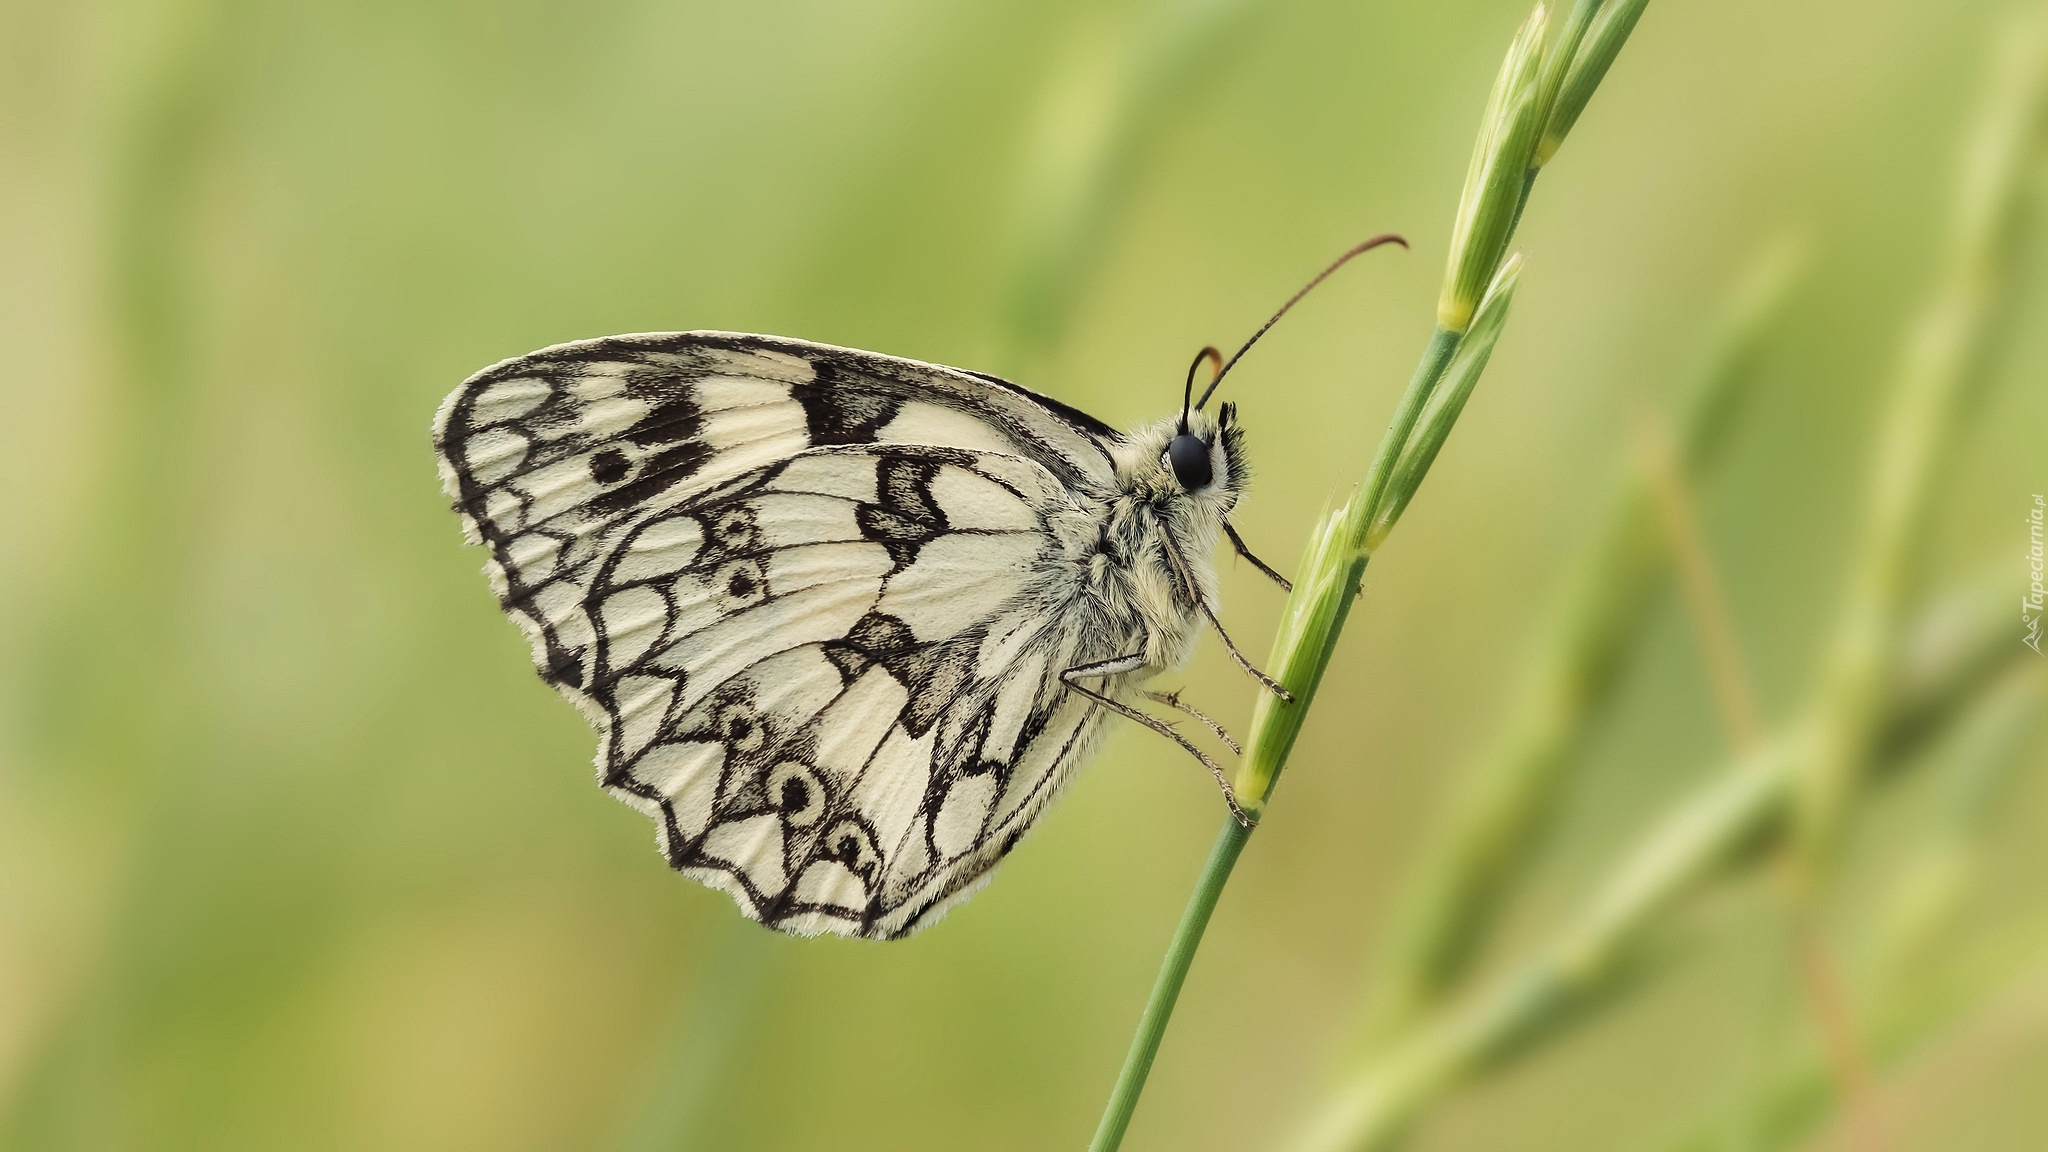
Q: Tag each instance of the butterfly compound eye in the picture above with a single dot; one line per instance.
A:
(1190, 459)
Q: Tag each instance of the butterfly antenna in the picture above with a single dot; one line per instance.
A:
(1339, 262)
(1215, 360)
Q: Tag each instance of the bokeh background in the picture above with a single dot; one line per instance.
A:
(297, 852)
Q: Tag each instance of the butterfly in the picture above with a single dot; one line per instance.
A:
(845, 623)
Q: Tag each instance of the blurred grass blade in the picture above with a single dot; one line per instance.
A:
(1374, 1107)
(1953, 652)
(1110, 93)
(1471, 864)
(1917, 429)
(695, 1051)
(1904, 1006)
(1847, 728)
(1735, 812)
(2005, 999)
(2007, 1029)
(1976, 767)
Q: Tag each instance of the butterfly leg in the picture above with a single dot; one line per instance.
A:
(1180, 568)
(1172, 700)
(1245, 551)
(1120, 664)
(1271, 684)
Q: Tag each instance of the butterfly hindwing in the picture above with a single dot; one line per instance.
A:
(827, 701)
(808, 596)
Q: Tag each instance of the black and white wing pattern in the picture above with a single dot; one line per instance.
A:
(816, 602)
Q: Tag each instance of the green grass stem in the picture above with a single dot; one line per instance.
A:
(1446, 401)
(1328, 579)
(1326, 583)
(1173, 973)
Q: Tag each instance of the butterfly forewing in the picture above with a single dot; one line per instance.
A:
(809, 596)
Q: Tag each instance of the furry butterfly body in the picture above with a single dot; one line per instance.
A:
(845, 623)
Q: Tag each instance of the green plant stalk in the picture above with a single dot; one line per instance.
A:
(1498, 813)
(1187, 937)
(1739, 808)
(1447, 401)
(1558, 61)
(1329, 578)
(1497, 184)
(1316, 609)
(1321, 600)
(1314, 615)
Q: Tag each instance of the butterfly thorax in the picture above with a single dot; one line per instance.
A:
(1158, 534)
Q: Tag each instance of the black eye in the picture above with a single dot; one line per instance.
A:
(1190, 460)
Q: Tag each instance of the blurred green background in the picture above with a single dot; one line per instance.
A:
(297, 852)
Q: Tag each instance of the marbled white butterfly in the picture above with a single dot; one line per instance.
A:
(845, 623)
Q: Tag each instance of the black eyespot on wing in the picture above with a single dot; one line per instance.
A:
(852, 845)
(742, 584)
(734, 530)
(1189, 455)
(741, 727)
(795, 791)
(609, 466)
